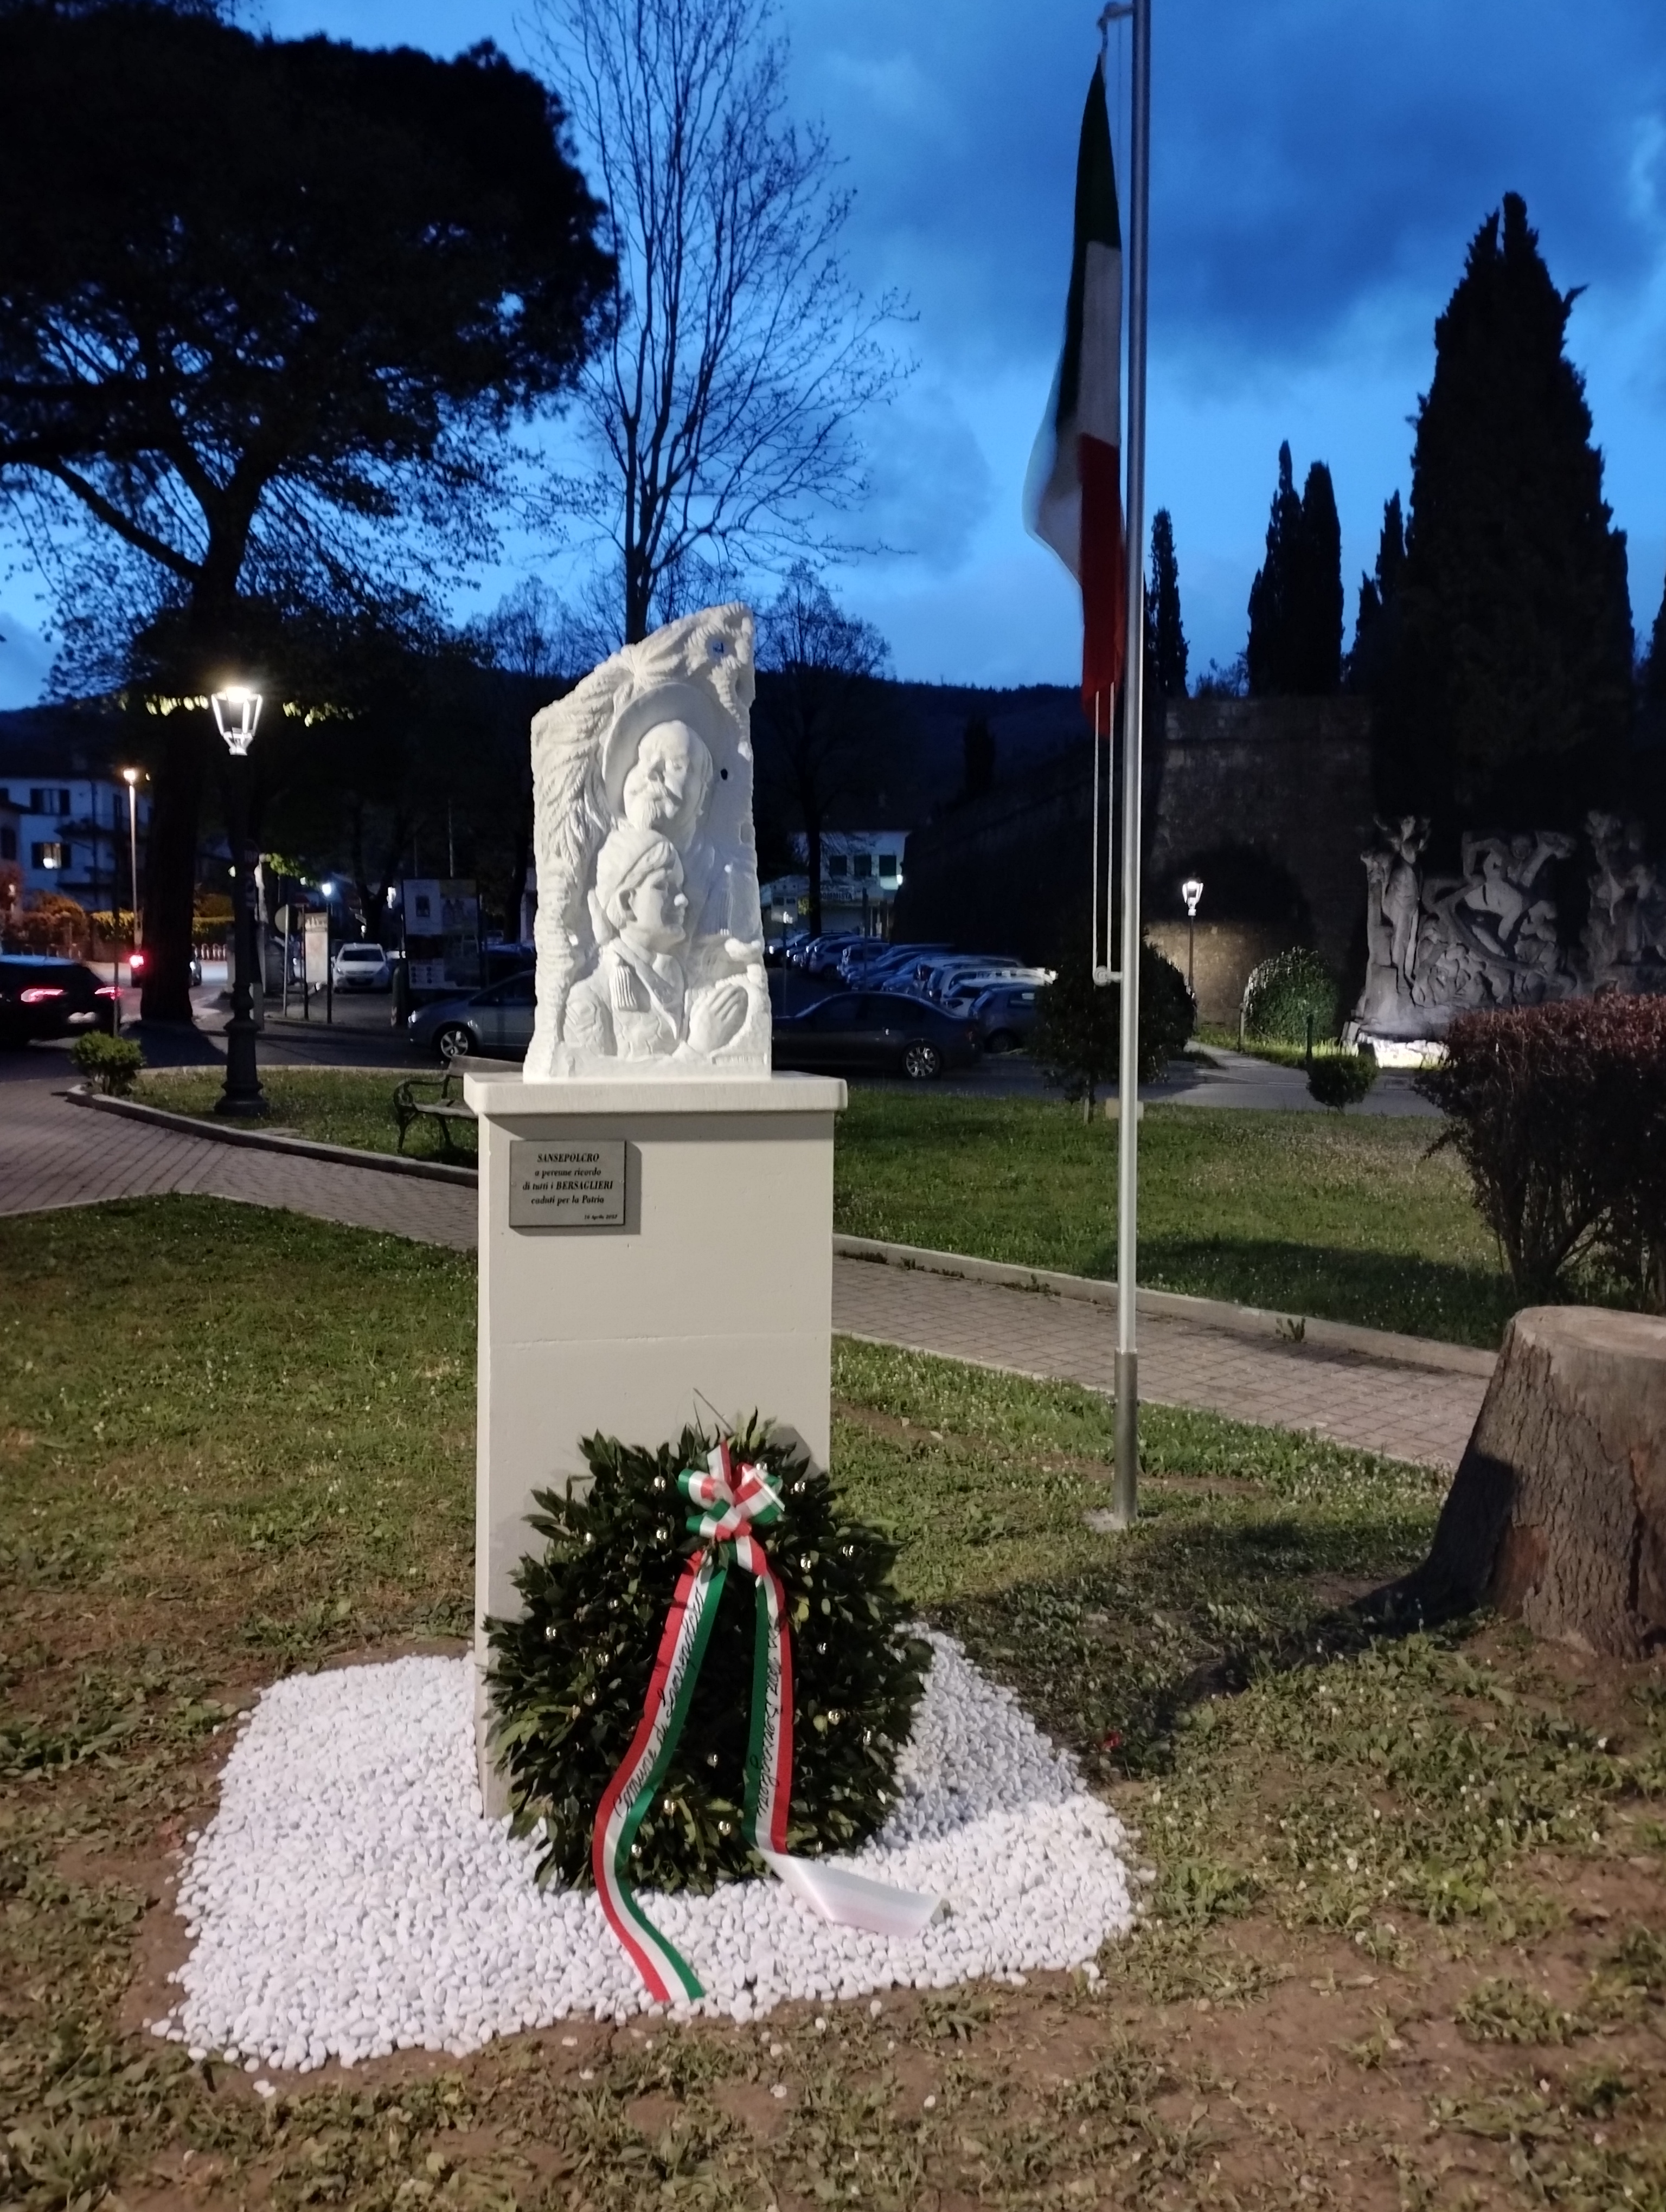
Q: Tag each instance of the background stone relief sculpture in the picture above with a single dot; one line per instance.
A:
(649, 936)
(1437, 946)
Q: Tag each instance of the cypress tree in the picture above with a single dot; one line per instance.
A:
(1654, 668)
(1166, 638)
(1296, 601)
(1509, 694)
(977, 755)
(1316, 607)
(1378, 612)
(1266, 655)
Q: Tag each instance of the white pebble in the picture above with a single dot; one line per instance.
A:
(348, 1899)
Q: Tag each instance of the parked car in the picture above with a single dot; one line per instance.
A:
(957, 995)
(800, 954)
(495, 1022)
(824, 960)
(500, 960)
(361, 967)
(936, 977)
(1005, 1016)
(47, 998)
(862, 964)
(874, 1033)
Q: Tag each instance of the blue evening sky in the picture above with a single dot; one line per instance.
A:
(1319, 167)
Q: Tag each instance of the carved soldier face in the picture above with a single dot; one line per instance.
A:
(654, 911)
(667, 785)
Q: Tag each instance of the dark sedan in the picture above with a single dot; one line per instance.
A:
(495, 1024)
(43, 997)
(874, 1033)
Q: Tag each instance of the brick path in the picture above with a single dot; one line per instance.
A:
(52, 1153)
(1373, 1404)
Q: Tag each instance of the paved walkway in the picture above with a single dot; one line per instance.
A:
(52, 1153)
(1373, 1404)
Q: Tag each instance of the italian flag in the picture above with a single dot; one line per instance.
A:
(1074, 491)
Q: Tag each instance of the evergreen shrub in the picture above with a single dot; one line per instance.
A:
(1077, 1040)
(1282, 992)
(1558, 1113)
(569, 1677)
(110, 1064)
(1341, 1079)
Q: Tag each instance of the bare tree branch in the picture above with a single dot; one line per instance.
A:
(741, 354)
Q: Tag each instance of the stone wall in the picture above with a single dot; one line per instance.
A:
(1224, 954)
(1268, 800)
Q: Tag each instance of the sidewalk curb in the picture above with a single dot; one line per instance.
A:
(1384, 1345)
(264, 1140)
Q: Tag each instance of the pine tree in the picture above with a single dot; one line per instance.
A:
(1509, 695)
(1378, 613)
(1166, 638)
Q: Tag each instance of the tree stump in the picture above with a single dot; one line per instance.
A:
(1558, 1512)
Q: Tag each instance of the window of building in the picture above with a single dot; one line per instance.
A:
(49, 800)
(8, 842)
(49, 856)
(887, 864)
(838, 865)
(864, 865)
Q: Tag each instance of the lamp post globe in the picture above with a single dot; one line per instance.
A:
(237, 716)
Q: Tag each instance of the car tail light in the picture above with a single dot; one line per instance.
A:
(38, 993)
(135, 963)
(107, 991)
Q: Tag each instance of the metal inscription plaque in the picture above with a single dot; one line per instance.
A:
(567, 1186)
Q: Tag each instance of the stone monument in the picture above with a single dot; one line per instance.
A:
(650, 940)
(1491, 937)
(656, 1207)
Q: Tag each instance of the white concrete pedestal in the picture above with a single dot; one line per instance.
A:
(716, 1291)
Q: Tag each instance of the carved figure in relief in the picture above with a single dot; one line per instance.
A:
(1626, 923)
(650, 933)
(1489, 937)
(1407, 839)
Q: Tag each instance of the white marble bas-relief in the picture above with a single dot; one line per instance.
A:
(649, 936)
(1491, 936)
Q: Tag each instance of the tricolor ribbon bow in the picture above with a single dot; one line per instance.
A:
(730, 1504)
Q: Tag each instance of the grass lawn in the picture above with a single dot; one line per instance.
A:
(354, 1107)
(1307, 1213)
(1403, 1948)
(1342, 1217)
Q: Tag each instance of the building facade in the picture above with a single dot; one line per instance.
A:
(64, 824)
(861, 875)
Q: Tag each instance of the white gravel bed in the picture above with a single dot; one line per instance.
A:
(349, 1898)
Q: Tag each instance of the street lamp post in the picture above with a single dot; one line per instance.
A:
(129, 776)
(236, 713)
(1192, 892)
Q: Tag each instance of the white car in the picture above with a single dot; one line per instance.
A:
(361, 968)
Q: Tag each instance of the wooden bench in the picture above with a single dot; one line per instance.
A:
(445, 1107)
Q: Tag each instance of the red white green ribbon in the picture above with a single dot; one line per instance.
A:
(730, 1505)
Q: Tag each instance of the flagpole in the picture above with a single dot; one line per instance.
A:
(1125, 1496)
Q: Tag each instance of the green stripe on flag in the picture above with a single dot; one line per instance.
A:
(1098, 223)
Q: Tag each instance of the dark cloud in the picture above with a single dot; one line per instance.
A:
(1308, 156)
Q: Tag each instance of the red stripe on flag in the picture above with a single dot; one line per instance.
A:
(1104, 569)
